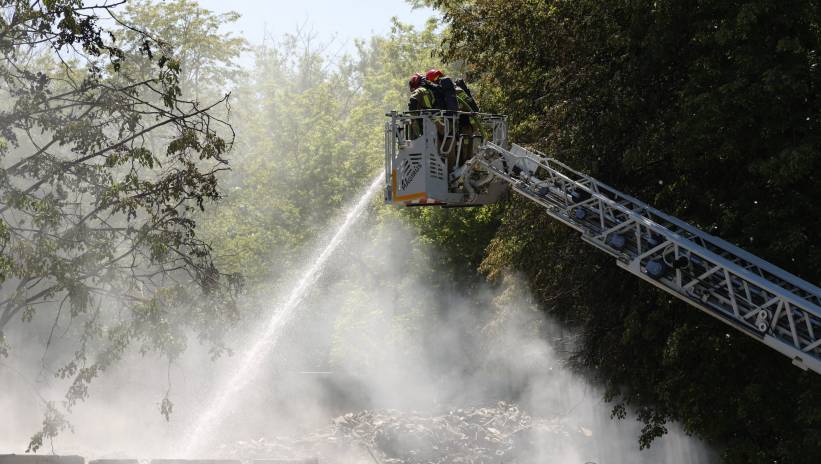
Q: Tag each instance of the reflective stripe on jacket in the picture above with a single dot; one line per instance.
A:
(466, 103)
(421, 99)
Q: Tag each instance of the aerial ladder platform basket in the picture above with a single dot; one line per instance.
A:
(430, 163)
(418, 148)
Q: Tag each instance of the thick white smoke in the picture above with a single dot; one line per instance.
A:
(380, 329)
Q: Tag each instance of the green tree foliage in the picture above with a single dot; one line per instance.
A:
(310, 137)
(708, 110)
(192, 35)
(96, 228)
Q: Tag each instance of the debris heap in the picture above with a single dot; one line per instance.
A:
(471, 436)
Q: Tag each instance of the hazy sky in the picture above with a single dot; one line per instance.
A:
(340, 20)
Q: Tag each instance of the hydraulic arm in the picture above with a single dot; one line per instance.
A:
(740, 289)
(746, 292)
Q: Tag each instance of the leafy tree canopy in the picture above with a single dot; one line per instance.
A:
(102, 170)
(708, 110)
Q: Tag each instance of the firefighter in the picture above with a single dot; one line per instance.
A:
(441, 85)
(456, 98)
(421, 98)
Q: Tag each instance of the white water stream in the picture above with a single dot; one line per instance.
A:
(260, 348)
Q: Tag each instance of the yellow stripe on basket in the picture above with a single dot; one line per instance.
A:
(412, 196)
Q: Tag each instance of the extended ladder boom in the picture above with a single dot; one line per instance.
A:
(744, 291)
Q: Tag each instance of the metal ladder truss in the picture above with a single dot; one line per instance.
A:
(746, 292)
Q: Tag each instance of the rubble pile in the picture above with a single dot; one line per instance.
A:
(470, 436)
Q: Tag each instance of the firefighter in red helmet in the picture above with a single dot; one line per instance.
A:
(421, 99)
(452, 96)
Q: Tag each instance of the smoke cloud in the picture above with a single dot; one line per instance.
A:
(379, 330)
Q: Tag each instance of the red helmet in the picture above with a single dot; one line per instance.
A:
(433, 75)
(415, 81)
